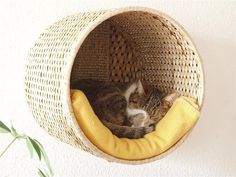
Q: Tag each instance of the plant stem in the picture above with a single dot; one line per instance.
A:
(8, 147)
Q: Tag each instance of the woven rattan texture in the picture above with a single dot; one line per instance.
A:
(44, 76)
(133, 44)
(106, 55)
(124, 65)
(92, 60)
(169, 61)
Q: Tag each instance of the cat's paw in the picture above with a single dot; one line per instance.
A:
(149, 129)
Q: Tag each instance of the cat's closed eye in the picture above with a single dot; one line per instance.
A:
(135, 101)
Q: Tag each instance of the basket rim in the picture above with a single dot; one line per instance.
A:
(68, 69)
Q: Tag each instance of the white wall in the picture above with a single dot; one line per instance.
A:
(209, 151)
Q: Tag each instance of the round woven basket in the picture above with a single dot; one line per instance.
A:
(121, 45)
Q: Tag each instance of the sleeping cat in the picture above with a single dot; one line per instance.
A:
(127, 109)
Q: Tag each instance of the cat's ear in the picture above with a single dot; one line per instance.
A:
(171, 97)
(140, 87)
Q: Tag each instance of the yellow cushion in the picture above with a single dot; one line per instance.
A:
(179, 119)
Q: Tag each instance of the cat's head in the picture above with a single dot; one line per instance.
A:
(140, 95)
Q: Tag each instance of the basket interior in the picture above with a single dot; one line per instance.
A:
(140, 45)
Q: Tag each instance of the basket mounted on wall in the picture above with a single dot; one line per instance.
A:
(120, 45)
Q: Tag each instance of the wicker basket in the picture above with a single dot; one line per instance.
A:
(119, 45)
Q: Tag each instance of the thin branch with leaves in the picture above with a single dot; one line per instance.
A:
(34, 147)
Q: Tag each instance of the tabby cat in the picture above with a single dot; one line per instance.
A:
(128, 109)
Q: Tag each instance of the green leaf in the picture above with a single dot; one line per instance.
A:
(22, 136)
(13, 132)
(4, 128)
(35, 147)
(41, 173)
(30, 147)
(45, 156)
